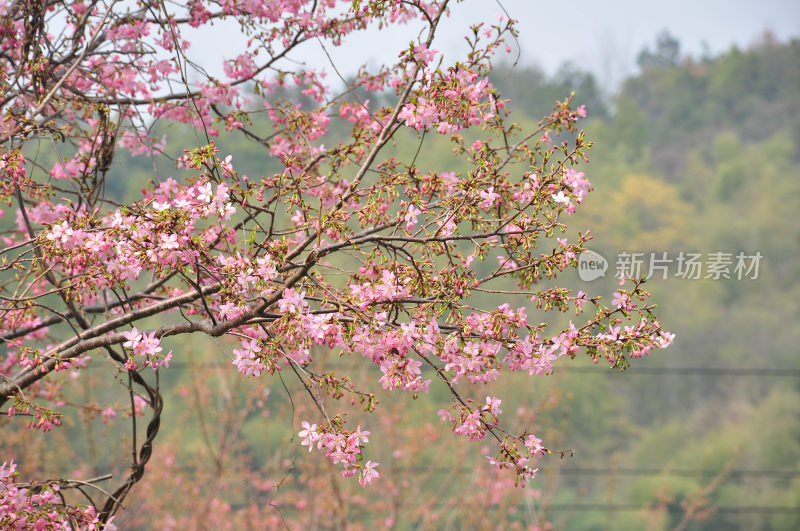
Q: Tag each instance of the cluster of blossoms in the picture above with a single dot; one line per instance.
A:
(458, 99)
(147, 346)
(157, 235)
(41, 418)
(380, 286)
(247, 359)
(519, 460)
(341, 447)
(40, 506)
(473, 423)
(12, 171)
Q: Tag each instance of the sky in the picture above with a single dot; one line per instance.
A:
(602, 37)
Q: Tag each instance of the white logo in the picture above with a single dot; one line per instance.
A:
(591, 265)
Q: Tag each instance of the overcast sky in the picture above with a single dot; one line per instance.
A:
(601, 36)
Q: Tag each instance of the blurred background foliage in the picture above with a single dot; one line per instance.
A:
(691, 154)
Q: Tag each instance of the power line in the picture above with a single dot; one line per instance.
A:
(635, 370)
(783, 474)
(730, 509)
(622, 507)
(706, 371)
(582, 471)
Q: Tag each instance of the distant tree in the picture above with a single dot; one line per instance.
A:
(570, 78)
(346, 248)
(533, 91)
(667, 53)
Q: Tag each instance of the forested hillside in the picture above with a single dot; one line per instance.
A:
(697, 156)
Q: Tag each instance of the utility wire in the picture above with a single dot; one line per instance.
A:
(582, 471)
(729, 509)
(634, 370)
(576, 471)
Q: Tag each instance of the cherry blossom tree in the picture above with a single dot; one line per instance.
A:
(348, 248)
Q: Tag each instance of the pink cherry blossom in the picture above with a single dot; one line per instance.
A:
(368, 474)
(340, 245)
